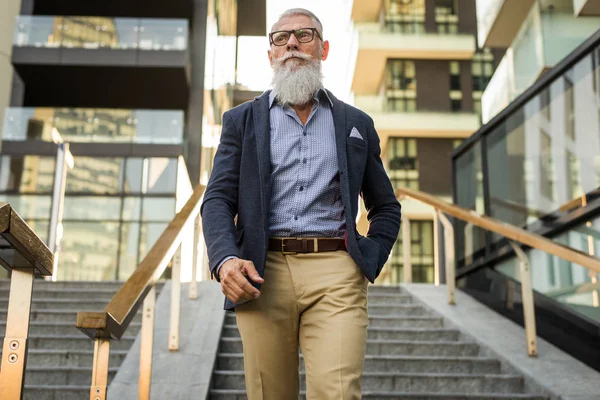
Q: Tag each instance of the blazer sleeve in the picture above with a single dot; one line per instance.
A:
(220, 203)
(383, 209)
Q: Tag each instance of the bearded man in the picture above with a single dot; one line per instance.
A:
(291, 165)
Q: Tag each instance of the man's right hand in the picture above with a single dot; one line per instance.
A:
(234, 283)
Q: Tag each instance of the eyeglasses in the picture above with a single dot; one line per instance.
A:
(304, 35)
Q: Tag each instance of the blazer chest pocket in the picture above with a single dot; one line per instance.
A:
(356, 150)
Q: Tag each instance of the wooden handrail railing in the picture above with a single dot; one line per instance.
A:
(509, 231)
(114, 320)
(24, 254)
(516, 236)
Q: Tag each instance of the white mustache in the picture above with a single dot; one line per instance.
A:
(293, 54)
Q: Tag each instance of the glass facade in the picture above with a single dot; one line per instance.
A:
(101, 33)
(94, 125)
(114, 208)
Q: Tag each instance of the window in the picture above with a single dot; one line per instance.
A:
(455, 89)
(403, 163)
(422, 260)
(446, 16)
(405, 16)
(401, 86)
(482, 69)
(27, 174)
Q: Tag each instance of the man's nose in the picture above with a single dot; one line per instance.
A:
(292, 43)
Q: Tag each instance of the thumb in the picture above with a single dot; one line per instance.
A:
(252, 273)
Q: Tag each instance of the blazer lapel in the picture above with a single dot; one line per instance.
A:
(339, 122)
(262, 132)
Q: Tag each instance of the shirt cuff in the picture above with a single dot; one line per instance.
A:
(216, 274)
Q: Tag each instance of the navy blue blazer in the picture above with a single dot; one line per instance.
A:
(239, 186)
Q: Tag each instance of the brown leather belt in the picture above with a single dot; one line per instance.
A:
(305, 245)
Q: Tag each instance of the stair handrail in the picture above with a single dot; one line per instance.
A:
(516, 236)
(25, 255)
(117, 315)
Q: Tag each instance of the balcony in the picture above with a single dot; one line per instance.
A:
(539, 45)
(85, 125)
(586, 7)
(366, 11)
(117, 8)
(498, 21)
(107, 62)
(376, 45)
(418, 124)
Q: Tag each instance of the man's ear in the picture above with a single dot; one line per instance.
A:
(325, 50)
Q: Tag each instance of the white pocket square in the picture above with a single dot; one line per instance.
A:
(356, 134)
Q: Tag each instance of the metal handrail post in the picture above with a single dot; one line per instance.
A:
(450, 261)
(527, 297)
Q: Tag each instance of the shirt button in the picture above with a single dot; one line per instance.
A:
(296, 218)
(301, 188)
(304, 161)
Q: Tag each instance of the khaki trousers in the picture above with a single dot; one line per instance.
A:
(317, 301)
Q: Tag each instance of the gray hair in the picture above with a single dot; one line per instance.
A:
(300, 11)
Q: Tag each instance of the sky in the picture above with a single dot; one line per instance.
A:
(254, 70)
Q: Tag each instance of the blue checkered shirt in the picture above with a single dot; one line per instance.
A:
(305, 185)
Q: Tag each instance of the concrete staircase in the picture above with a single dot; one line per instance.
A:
(410, 355)
(59, 365)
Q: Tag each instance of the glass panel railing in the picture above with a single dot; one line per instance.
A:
(94, 125)
(540, 44)
(101, 32)
(572, 285)
(163, 34)
(487, 10)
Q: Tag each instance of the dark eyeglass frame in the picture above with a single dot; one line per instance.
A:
(294, 31)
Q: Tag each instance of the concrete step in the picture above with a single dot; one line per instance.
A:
(69, 358)
(385, 333)
(396, 310)
(391, 348)
(384, 289)
(399, 382)
(74, 342)
(49, 292)
(401, 364)
(63, 304)
(382, 321)
(389, 298)
(56, 392)
(46, 315)
(422, 348)
(62, 376)
(62, 328)
(229, 394)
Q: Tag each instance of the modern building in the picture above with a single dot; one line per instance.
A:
(537, 35)
(536, 164)
(124, 85)
(420, 74)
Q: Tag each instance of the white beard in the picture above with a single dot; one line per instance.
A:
(296, 84)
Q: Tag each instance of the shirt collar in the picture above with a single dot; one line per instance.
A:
(319, 95)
